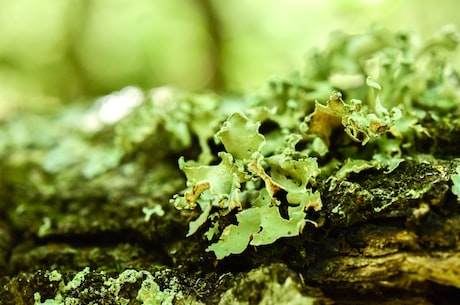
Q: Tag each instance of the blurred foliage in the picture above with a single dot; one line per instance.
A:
(55, 51)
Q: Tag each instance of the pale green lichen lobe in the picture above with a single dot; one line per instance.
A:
(456, 183)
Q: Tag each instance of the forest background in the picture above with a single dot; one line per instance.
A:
(54, 52)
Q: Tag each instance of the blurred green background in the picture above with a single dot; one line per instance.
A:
(56, 51)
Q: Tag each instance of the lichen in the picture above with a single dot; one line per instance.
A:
(362, 137)
(456, 183)
(291, 138)
(111, 291)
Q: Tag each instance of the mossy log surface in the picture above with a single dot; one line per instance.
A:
(405, 253)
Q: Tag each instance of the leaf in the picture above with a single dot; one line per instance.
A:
(359, 125)
(262, 226)
(325, 119)
(292, 174)
(220, 177)
(456, 183)
(235, 238)
(208, 182)
(240, 136)
(273, 226)
(194, 225)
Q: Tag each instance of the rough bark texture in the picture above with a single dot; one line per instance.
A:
(394, 240)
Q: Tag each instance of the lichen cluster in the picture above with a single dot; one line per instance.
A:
(369, 130)
(109, 289)
(268, 158)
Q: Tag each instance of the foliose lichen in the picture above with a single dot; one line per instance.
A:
(254, 165)
(268, 159)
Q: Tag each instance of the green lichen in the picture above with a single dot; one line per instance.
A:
(456, 183)
(257, 183)
(64, 288)
(111, 291)
(359, 125)
(243, 164)
(292, 137)
(258, 168)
